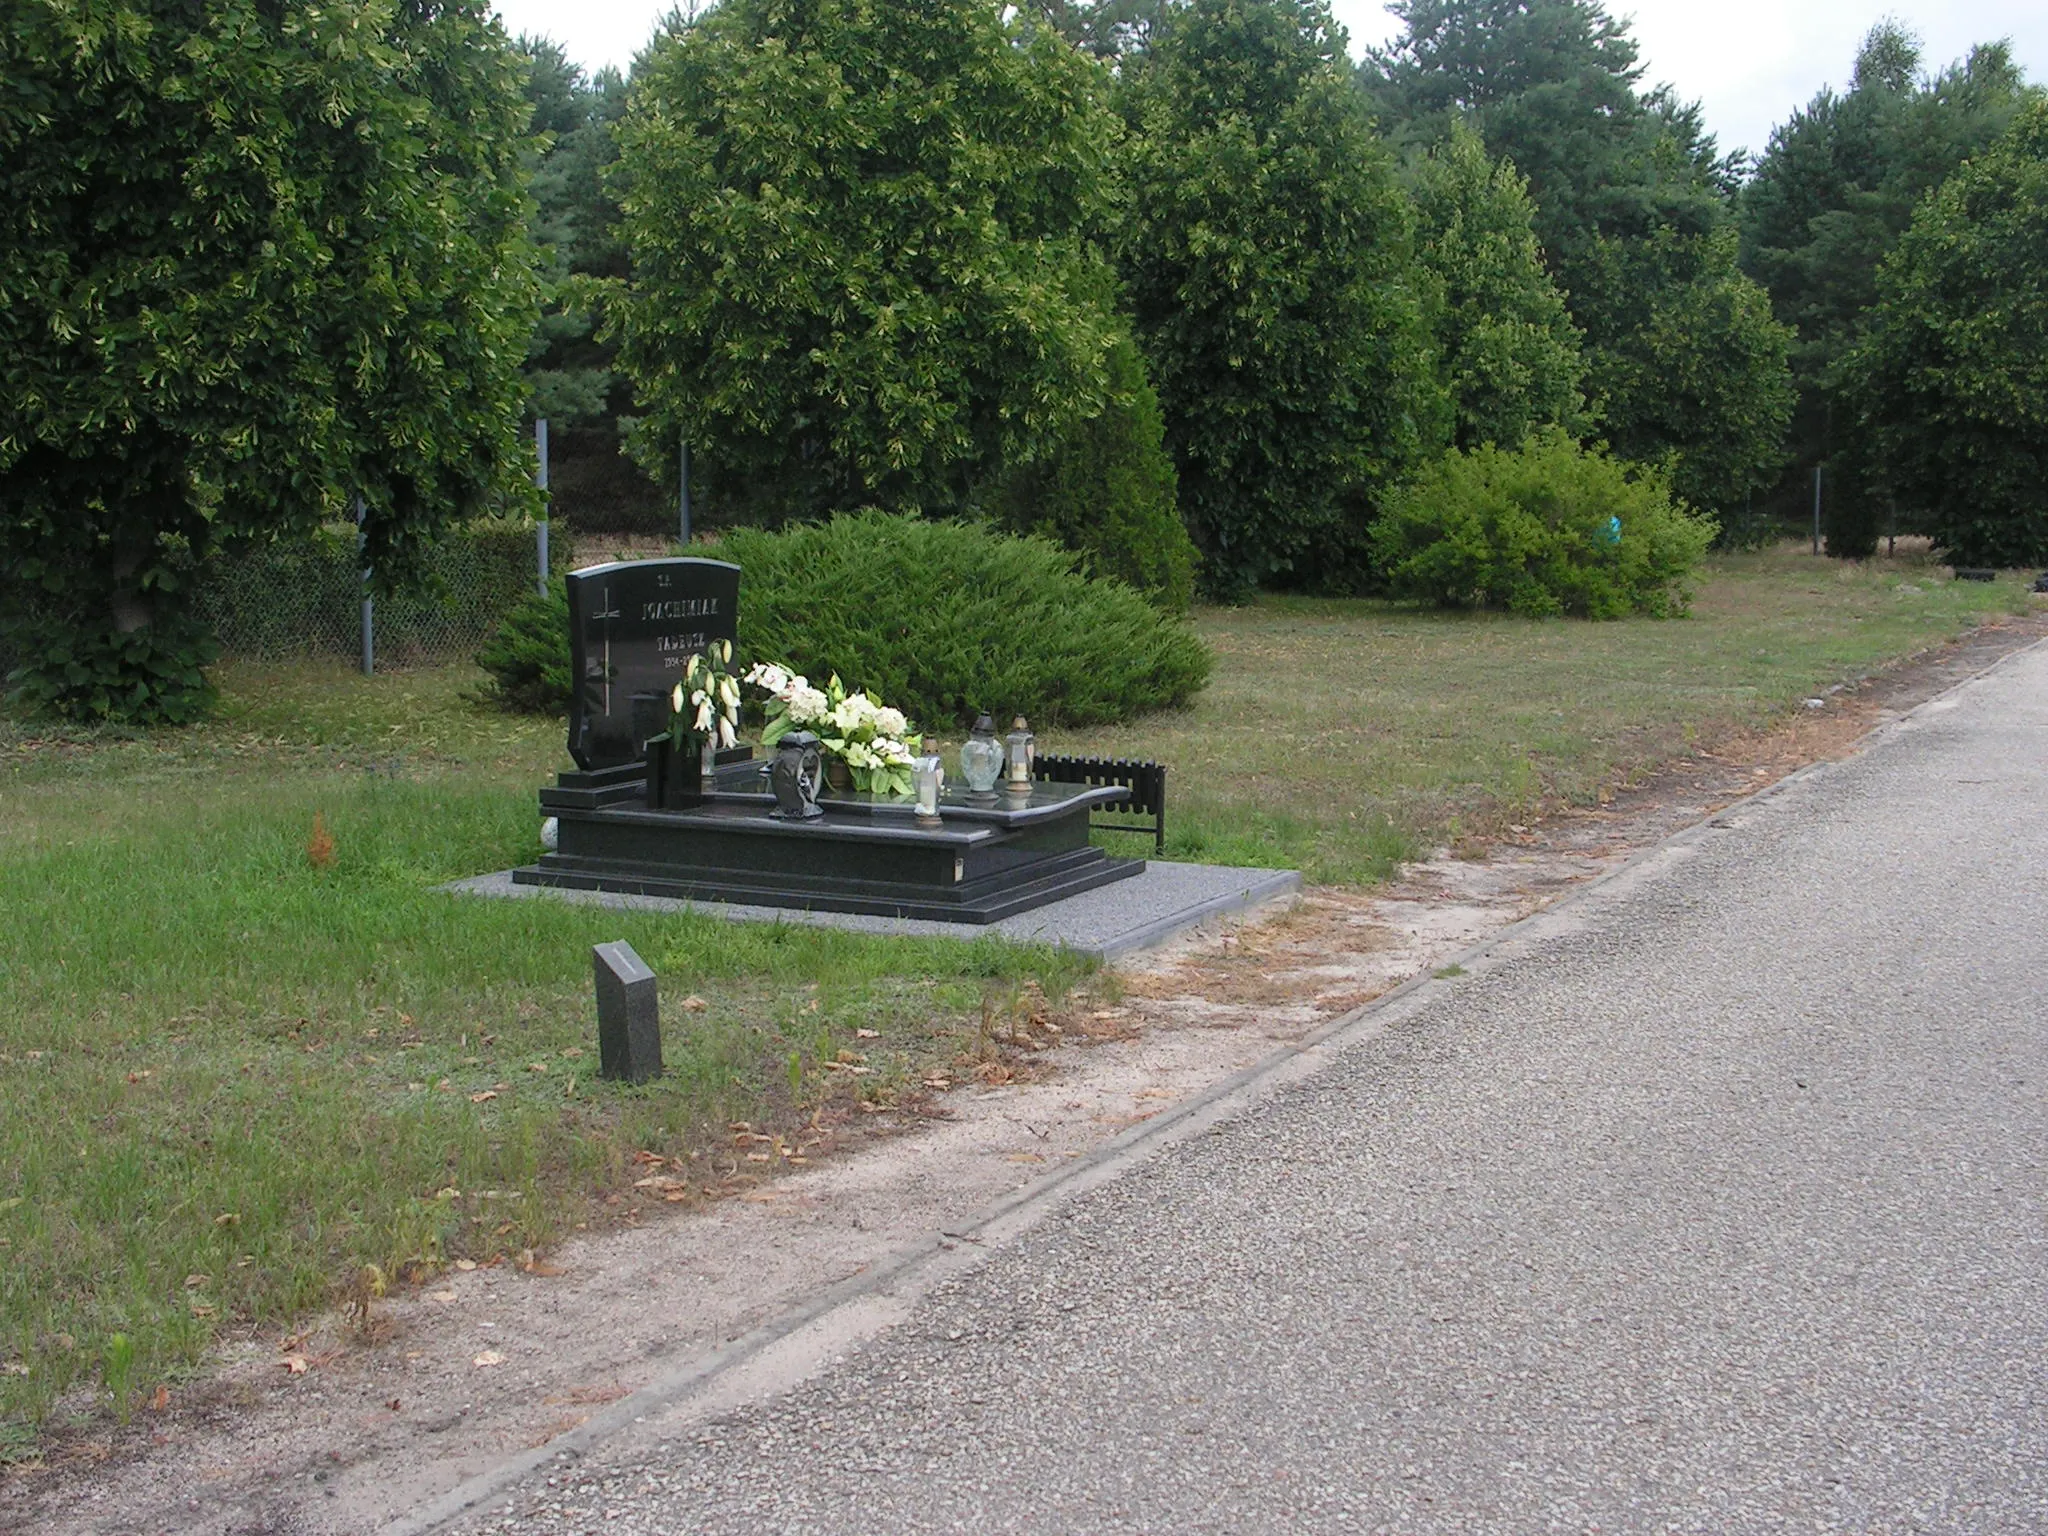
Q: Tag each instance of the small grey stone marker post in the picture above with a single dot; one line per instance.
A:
(628, 1018)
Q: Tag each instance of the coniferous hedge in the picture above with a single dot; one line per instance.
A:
(940, 619)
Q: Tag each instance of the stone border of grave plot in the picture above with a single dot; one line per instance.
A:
(1133, 914)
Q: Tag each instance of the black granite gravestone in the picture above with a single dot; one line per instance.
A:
(628, 1014)
(632, 627)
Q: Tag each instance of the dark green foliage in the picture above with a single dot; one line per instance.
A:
(1106, 490)
(1830, 197)
(1949, 387)
(1854, 513)
(1688, 362)
(527, 655)
(941, 619)
(1632, 202)
(946, 619)
(1267, 261)
(149, 676)
(257, 259)
(859, 270)
(1509, 352)
(1529, 530)
(572, 375)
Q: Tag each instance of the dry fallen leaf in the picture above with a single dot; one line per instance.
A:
(478, 1098)
(867, 1034)
(465, 1264)
(161, 1400)
(489, 1357)
(320, 846)
(536, 1066)
(441, 1296)
(193, 1282)
(296, 1364)
(694, 1004)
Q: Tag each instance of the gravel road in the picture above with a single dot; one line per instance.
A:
(1716, 1202)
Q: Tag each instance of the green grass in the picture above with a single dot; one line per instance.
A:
(1340, 736)
(230, 1076)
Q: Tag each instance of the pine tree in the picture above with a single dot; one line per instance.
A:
(1831, 196)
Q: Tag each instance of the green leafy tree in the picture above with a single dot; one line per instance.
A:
(1267, 259)
(258, 260)
(1509, 352)
(1948, 389)
(1108, 29)
(1688, 362)
(1831, 196)
(1632, 201)
(860, 274)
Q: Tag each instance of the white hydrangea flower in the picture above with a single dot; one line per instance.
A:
(891, 752)
(807, 705)
(890, 722)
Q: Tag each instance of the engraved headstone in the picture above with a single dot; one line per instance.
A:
(628, 1015)
(632, 627)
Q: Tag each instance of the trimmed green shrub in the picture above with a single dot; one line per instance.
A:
(941, 619)
(527, 655)
(1549, 528)
(1107, 490)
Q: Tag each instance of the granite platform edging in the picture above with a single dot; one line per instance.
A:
(1166, 899)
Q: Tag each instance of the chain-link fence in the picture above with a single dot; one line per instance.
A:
(306, 597)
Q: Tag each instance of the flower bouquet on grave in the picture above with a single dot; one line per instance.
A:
(704, 713)
(873, 741)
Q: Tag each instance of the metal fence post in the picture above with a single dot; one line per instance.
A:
(1816, 509)
(369, 623)
(540, 444)
(683, 499)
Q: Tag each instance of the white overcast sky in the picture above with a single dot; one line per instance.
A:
(1748, 62)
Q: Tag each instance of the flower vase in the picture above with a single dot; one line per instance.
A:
(674, 775)
(838, 777)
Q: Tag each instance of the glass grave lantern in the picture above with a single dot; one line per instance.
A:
(928, 777)
(981, 757)
(1020, 752)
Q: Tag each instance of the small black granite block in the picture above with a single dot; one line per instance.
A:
(628, 1015)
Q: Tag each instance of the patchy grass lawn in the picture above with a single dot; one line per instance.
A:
(232, 1077)
(1336, 734)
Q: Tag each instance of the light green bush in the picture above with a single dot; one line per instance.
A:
(1548, 528)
